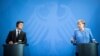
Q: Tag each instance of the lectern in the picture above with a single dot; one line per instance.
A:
(13, 50)
(87, 49)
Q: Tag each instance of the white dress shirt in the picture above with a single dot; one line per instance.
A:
(17, 32)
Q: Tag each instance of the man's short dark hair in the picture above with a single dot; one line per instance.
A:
(18, 22)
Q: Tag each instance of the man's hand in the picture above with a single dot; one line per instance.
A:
(10, 42)
(16, 43)
(19, 40)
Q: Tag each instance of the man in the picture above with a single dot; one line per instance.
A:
(17, 36)
(82, 34)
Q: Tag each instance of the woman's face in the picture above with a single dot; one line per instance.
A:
(80, 25)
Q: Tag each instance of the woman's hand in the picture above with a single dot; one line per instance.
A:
(73, 41)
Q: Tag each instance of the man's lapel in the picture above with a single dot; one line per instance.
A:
(14, 33)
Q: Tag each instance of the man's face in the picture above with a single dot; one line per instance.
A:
(80, 25)
(20, 26)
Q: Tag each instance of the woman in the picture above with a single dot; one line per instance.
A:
(82, 34)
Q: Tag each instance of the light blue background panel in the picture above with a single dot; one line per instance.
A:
(49, 24)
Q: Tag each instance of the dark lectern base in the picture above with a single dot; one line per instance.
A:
(88, 49)
(13, 50)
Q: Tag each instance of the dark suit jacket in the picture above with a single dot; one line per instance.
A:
(12, 37)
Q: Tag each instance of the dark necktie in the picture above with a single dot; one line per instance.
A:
(18, 33)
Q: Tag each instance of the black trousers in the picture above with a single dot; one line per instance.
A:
(76, 54)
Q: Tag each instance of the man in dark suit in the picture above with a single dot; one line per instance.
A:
(17, 36)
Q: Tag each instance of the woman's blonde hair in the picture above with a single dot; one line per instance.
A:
(81, 20)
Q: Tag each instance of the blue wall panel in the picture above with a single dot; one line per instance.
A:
(49, 24)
